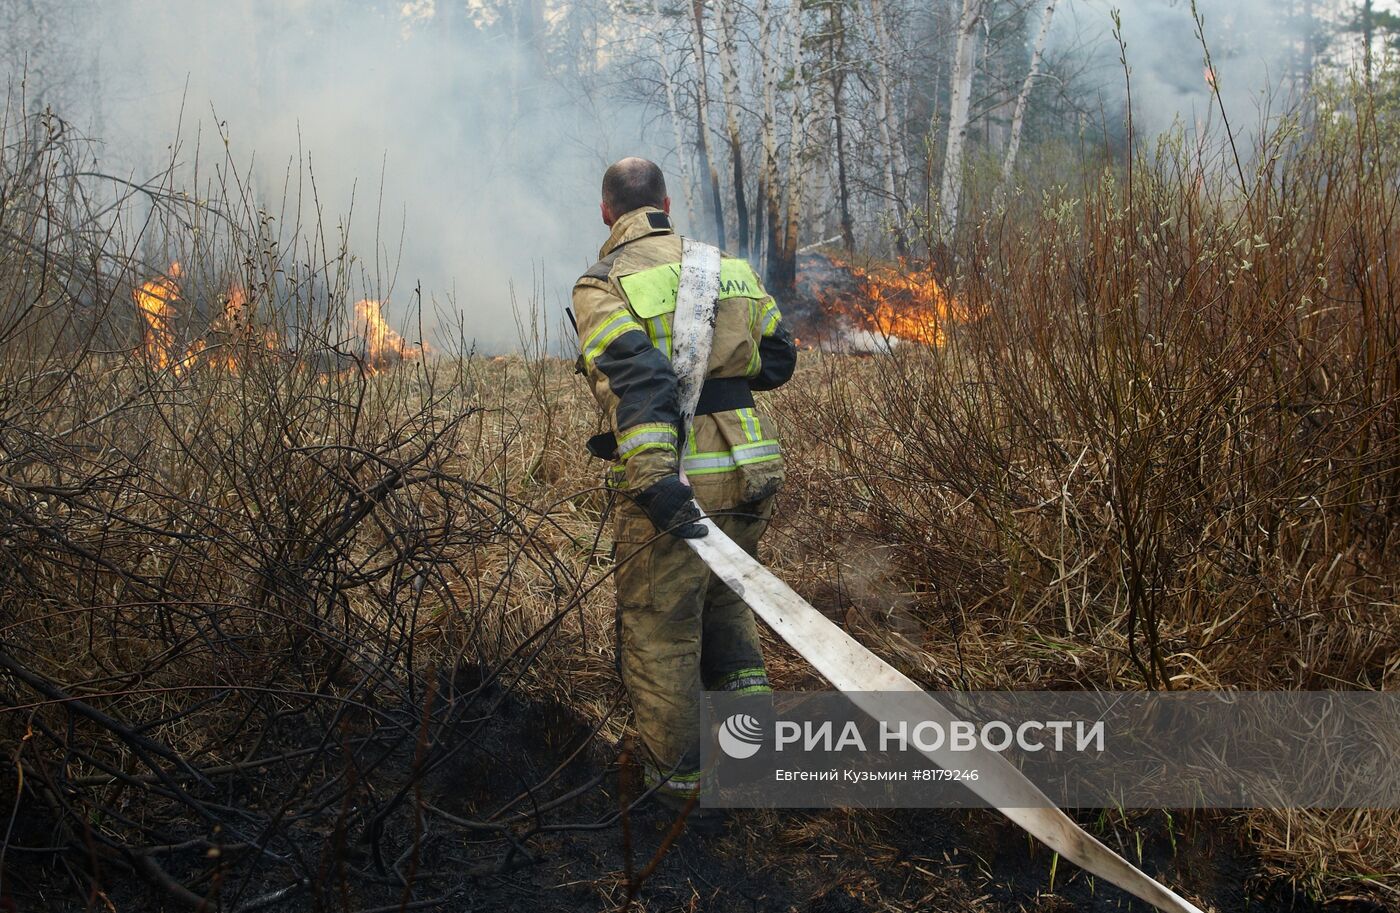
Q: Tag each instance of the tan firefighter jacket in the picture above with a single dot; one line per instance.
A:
(624, 305)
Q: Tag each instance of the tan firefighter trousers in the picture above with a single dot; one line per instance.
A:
(682, 630)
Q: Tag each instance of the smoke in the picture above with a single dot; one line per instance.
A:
(1256, 46)
(473, 168)
(472, 153)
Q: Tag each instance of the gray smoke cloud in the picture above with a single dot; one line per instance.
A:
(1254, 44)
(489, 168)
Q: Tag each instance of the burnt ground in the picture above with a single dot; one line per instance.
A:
(575, 858)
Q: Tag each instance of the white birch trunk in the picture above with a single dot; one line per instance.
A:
(964, 65)
(728, 14)
(702, 93)
(664, 61)
(895, 168)
(798, 134)
(768, 175)
(1018, 120)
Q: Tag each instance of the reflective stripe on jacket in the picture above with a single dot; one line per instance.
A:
(624, 305)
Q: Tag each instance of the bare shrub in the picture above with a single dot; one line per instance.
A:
(1161, 449)
(259, 563)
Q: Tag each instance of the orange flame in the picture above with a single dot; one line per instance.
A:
(156, 301)
(383, 345)
(233, 307)
(902, 303)
(231, 334)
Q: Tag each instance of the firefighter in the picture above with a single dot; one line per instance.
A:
(681, 628)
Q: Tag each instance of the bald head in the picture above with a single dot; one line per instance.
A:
(631, 184)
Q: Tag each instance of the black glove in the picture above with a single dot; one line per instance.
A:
(603, 446)
(670, 506)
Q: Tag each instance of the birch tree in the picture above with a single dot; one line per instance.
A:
(836, 74)
(964, 65)
(729, 89)
(702, 119)
(677, 129)
(895, 167)
(782, 260)
(769, 197)
(1013, 142)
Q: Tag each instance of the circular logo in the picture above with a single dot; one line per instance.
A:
(740, 736)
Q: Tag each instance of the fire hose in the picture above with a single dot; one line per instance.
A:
(869, 682)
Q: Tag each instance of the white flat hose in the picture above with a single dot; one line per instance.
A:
(866, 678)
(842, 660)
(693, 327)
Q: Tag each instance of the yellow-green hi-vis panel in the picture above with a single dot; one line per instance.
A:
(653, 291)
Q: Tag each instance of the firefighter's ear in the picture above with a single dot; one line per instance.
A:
(608, 218)
(666, 205)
